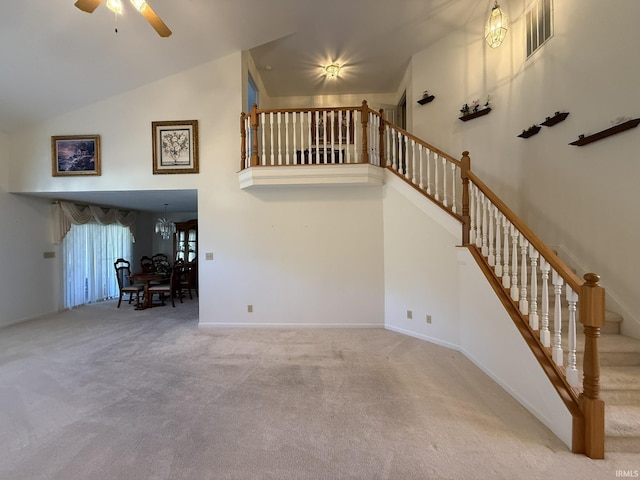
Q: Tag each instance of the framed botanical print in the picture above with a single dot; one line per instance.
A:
(175, 146)
(73, 155)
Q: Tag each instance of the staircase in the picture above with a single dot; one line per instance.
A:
(619, 385)
(604, 399)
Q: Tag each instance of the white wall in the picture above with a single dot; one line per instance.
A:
(426, 272)
(298, 256)
(30, 285)
(581, 200)
(420, 265)
(489, 338)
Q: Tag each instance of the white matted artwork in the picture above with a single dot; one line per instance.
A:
(175, 146)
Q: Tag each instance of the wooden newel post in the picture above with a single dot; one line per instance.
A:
(243, 139)
(466, 218)
(383, 163)
(591, 315)
(365, 122)
(254, 133)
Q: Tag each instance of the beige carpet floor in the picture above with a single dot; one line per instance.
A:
(103, 393)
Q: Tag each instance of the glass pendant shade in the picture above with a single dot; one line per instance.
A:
(139, 4)
(496, 28)
(115, 6)
(164, 226)
(332, 71)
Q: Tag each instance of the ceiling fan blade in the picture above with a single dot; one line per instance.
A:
(155, 21)
(88, 5)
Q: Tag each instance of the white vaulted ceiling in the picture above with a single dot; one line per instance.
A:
(55, 58)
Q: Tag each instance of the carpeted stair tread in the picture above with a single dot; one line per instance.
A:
(617, 350)
(622, 428)
(620, 385)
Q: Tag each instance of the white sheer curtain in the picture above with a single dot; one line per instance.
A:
(88, 252)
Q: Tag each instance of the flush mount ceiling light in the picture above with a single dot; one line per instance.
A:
(496, 28)
(332, 71)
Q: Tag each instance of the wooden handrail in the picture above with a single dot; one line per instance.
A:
(549, 255)
(421, 142)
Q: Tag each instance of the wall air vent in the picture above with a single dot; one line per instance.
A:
(539, 25)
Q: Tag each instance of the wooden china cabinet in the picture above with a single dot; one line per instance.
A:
(185, 248)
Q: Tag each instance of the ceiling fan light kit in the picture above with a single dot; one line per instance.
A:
(116, 6)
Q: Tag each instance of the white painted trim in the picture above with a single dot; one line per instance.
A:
(519, 398)
(337, 174)
(290, 325)
(426, 338)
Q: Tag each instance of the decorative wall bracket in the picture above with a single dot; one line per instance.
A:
(557, 118)
(426, 98)
(472, 115)
(582, 140)
(530, 132)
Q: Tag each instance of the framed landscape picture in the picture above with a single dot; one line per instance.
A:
(75, 155)
(175, 146)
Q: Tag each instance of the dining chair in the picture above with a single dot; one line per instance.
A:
(123, 274)
(184, 278)
(158, 259)
(170, 288)
(146, 264)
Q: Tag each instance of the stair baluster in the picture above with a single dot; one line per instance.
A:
(421, 163)
(491, 258)
(498, 234)
(557, 353)
(545, 334)
(524, 302)
(572, 371)
(515, 292)
(506, 279)
(533, 310)
(436, 178)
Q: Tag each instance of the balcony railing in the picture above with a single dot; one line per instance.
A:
(542, 295)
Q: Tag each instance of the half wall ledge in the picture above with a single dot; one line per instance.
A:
(337, 174)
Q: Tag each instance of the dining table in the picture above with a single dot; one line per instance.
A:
(146, 278)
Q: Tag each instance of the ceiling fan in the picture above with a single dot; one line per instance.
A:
(116, 6)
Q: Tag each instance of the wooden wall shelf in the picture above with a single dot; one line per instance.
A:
(426, 99)
(471, 116)
(606, 133)
(557, 118)
(530, 132)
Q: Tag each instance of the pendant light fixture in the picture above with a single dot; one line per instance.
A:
(496, 28)
(164, 226)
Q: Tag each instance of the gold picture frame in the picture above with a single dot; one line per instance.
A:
(73, 155)
(175, 146)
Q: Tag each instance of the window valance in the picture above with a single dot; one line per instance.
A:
(66, 214)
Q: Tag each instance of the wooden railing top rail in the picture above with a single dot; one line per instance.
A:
(358, 107)
(304, 110)
(419, 141)
(549, 255)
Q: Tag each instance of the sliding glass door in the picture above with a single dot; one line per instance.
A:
(88, 252)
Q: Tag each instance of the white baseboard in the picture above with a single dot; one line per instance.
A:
(289, 325)
(420, 336)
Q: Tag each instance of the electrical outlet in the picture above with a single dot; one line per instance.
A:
(409, 314)
(428, 318)
(250, 308)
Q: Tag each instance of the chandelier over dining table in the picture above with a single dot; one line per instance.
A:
(164, 226)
